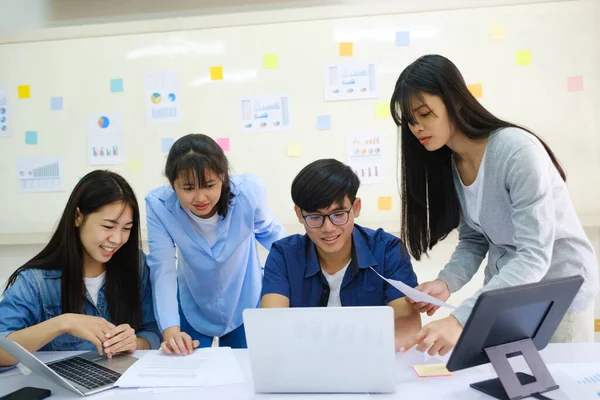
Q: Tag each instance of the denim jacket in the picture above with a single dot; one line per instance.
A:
(36, 297)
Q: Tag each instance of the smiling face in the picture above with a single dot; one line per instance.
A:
(433, 128)
(331, 238)
(103, 232)
(202, 201)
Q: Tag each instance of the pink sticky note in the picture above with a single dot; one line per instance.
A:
(575, 84)
(224, 143)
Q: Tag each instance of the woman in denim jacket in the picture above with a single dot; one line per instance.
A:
(89, 287)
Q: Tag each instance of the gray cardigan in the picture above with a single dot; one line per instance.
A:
(531, 230)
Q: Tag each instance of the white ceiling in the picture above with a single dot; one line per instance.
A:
(34, 14)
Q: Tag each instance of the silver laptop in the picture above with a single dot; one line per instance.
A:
(322, 350)
(84, 374)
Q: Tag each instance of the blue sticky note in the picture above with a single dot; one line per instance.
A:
(402, 38)
(166, 144)
(116, 85)
(31, 137)
(56, 103)
(323, 122)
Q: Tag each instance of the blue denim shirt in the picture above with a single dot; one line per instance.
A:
(36, 297)
(292, 270)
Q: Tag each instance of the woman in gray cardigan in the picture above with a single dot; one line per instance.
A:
(500, 185)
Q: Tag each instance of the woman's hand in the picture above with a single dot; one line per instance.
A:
(177, 342)
(437, 337)
(120, 339)
(438, 289)
(87, 327)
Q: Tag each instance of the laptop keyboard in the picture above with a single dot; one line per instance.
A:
(85, 373)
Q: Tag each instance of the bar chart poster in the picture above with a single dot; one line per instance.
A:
(4, 112)
(40, 174)
(105, 139)
(365, 157)
(349, 81)
(161, 92)
(265, 113)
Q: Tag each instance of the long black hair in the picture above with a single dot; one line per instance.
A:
(65, 251)
(430, 206)
(190, 157)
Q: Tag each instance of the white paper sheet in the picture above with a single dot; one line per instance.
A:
(365, 157)
(105, 139)
(4, 112)
(414, 294)
(265, 113)
(205, 367)
(349, 81)
(40, 174)
(161, 91)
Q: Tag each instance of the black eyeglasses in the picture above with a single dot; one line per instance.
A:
(337, 218)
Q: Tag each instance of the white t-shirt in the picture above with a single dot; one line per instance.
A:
(207, 227)
(93, 286)
(473, 194)
(335, 284)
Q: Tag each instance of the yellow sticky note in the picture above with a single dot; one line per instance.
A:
(134, 165)
(346, 49)
(476, 90)
(294, 149)
(216, 73)
(384, 203)
(430, 370)
(382, 110)
(523, 57)
(24, 92)
(271, 61)
(497, 32)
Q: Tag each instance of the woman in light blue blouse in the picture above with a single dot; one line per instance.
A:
(202, 233)
(89, 288)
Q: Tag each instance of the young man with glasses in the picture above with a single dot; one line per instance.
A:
(331, 265)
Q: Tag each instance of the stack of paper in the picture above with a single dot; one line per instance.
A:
(205, 367)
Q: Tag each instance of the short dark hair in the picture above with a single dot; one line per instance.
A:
(190, 157)
(323, 183)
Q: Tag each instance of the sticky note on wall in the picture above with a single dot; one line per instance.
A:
(216, 73)
(403, 38)
(134, 165)
(294, 149)
(384, 203)
(24, 91)
(476, 90)
(166, 144)
(56, 103)
(575, 83)
(497, 32)
(271, 61)
(324, 122)
(116, 85)
(523, 57)
(31, 137)
(346, 49)
(382, 110)
(224, 143)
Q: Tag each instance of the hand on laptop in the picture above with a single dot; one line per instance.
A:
(437, 337)
(87, 327)
(120, 339)
(177, 342)
(438, 289)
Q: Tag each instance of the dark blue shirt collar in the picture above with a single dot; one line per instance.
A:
(361, 255)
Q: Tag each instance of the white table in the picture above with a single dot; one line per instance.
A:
(409, 385)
